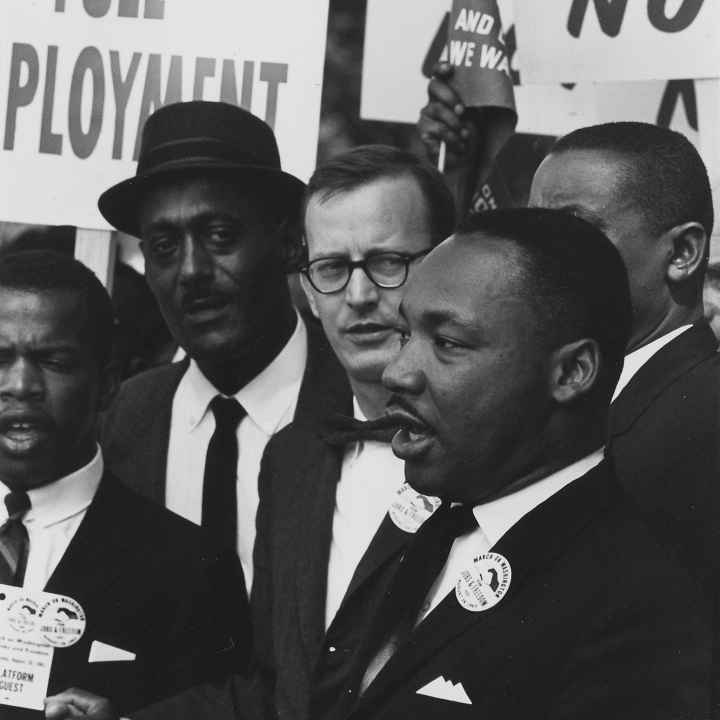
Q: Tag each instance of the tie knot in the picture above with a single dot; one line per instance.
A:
(457, 520)
(228, 412)
(17, 504)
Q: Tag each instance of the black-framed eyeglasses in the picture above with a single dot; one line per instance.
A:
(386, 270)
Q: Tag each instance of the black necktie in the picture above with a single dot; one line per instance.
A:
(340, 430)
(14, 540)
(335, 692)
(421, 564)
(219, 508)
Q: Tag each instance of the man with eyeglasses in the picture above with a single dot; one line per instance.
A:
(324, 529)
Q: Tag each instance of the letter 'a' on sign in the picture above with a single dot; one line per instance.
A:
(78, 80)
(618, 40)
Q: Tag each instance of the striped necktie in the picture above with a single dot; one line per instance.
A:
(14, 540)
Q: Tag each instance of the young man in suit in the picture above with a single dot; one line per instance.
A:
(647, 189)
(213, 209)
(536, 589)
(371, 214)
(163, 608)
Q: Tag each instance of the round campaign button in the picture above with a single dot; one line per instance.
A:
(22, 614)
(410, 509)
(485, 583)
(62, 621)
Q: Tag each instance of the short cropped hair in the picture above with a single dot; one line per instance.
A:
(664, 173)
(367, 163)
(45, 271)
(571, 275)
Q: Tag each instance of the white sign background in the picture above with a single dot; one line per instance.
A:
(394, 89)
(639, 51)
(63, 188)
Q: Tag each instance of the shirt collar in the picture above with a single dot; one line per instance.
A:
(266, 398)
(637, 358)
(62, 498)
(496, 517)
(354, 450)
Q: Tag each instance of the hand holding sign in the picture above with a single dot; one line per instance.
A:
(482, 84)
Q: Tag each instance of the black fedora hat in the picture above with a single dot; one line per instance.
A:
(202, 137)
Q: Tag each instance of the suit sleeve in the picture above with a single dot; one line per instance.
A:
(261, 605)
(652, 662)
(210, 636)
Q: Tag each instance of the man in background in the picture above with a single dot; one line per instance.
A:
(371, 215)
(213, 208)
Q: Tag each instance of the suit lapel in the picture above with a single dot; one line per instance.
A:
(675, 359)
(530, 546)
(386, 544)
(97, 554)
(325, 389)
(148, 430)
(315, 505)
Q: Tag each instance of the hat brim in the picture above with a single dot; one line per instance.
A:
(120, 204)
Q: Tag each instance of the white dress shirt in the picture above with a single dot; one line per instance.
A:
(269, 399)
(56, 511)
(369, 480)
(637, 358)
(495, 518)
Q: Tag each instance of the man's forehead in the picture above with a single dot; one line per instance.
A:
(41, 314)
(464, 273)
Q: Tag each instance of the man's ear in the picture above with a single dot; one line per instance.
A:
(309, 294)
(575, 369)
(688, 247)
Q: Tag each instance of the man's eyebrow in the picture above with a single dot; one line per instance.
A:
(203, 218)
(445, 316)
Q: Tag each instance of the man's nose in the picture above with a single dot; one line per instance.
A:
(22, 380)
(195, 261)
(361, 291)
(404, 374)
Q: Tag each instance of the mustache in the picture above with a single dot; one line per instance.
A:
(403, 414)
(201, 293)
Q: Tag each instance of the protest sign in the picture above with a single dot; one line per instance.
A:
(478, 55)
(477, 52)
(79, 78)
(395, 91)
(617, 40)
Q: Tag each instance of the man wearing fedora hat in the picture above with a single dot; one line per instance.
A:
(213, 210)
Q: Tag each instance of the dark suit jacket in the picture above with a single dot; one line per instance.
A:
(298, 480)
(149, 583)
(598, 623)
(665, 441)
(135, 431)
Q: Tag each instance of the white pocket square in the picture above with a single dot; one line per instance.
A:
(443, 689)
(102, 652)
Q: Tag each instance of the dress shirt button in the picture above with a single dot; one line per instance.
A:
(332, 649)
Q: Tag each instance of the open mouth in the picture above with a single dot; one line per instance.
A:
(414, 437)
(368, 332)
(22, 434)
